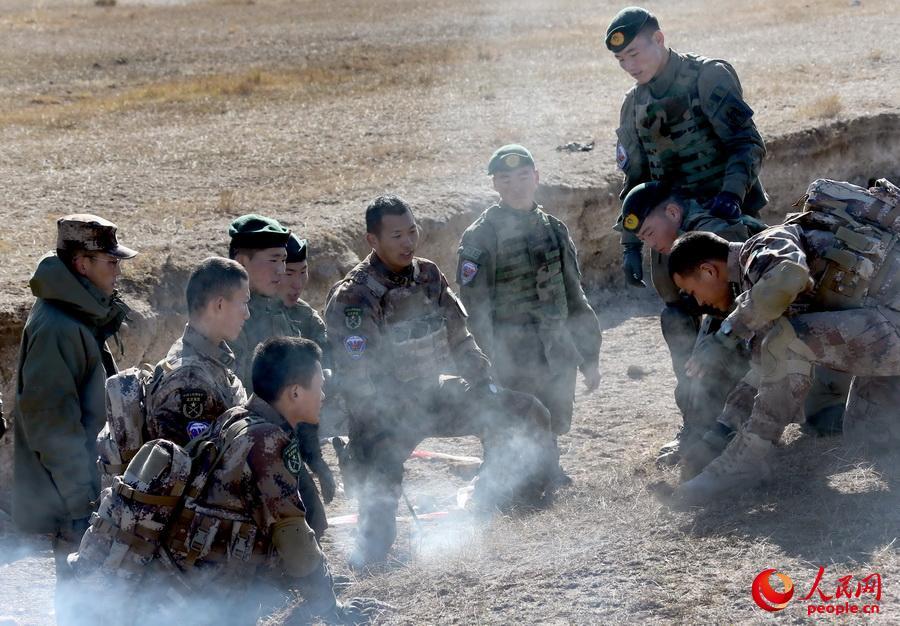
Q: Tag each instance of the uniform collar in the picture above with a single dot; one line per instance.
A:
(202, 345)
(263, 409)
(401, 279)
(734, 262)
(661, 84)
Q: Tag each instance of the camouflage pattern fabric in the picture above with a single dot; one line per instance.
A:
(191, 387)
(531, 351)
(310, 325)
(268, 318)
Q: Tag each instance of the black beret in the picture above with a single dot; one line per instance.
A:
(626, 25)
(296, 249)
(640, 201)
(509, 157)
(257, 232)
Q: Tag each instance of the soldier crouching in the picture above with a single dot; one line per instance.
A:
(398, 333)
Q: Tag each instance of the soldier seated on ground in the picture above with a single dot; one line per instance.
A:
(801, 303)
(409, 369)
(196, 383)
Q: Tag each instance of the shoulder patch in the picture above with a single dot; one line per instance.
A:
(196, 429)
(193, 402)
(355, 345)
(353, 317)
(467, 272)
(291, 457)
(621, 156)
(470, 252)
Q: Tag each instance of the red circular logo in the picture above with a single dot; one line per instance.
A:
(766, 597)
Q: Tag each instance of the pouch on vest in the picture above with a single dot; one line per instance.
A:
(139, 515)
(123, 435)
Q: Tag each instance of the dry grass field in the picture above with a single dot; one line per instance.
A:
(172, 118)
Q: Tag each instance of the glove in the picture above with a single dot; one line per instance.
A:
(711, 355)
(307, 436)
(359, 611)
(591, 375)
(725, 205)
(633, 264)
(326, 480)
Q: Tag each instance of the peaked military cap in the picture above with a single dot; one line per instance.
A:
(82, 231)
(626, 25)
(257, 232)
(640, 201)
(509, 157)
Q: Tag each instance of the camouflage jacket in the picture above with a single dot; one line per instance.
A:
(268, 318)
(394, 333)
(477, 276)
(731, 141)
(191, 387)
(60, 397)
(791, 269)
(310, 325)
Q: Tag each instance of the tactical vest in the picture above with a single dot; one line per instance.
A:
(151, 516)
(124, 433)
(677, 136)
(414, 328)
(861, 266)
(528, 279)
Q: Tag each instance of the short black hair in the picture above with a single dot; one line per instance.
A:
(384, 205)
(214, 277)
(693, 249)
(283, 361)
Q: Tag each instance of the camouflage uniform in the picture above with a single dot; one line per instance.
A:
(802, 306)
(268, 318)
(191, 387)
(395, 339)
(519, 278)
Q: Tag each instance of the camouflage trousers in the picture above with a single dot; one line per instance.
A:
(513, 427)
(864, 343)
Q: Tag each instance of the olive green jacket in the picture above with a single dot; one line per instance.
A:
(268, 318)
(60, 397)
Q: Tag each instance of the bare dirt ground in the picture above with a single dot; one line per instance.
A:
(172, 118)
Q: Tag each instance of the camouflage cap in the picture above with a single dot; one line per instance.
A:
(509, 157)
(257, 232)
(82, 231)
(626, 25)
(296, 249)
(640, 201)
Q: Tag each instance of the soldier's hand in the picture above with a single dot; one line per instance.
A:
(360, 610)
(709, 358)
(725, 205)
(326, 481)
(633, 265)
(591, 375)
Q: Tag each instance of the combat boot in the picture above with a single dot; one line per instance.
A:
(702, 451)
(670, 453)
(745, 463)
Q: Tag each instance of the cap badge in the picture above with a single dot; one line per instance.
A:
(631, 221)
(617, 38)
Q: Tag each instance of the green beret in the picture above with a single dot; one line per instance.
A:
(296, 249)
(640, 201)
(626, 25)
(509, 157)
(257, 232)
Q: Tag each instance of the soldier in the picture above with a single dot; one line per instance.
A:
(260, 245)
(811, 292)
(396, 331)
(307, 321)
(60, 401)
(657, 216)
(242, 542)
(518, 277)
(195, 383)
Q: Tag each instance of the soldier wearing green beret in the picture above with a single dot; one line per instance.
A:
(519, 279)
(260, 245)
(304, 317)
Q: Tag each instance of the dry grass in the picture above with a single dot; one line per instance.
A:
(824, 108)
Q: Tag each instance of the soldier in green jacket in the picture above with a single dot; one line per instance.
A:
(60, 388)
(260, 245)
(519, 279)
(308, 322)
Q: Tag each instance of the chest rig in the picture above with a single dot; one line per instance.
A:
(677, 136)
(528, 281)
(414, 326)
